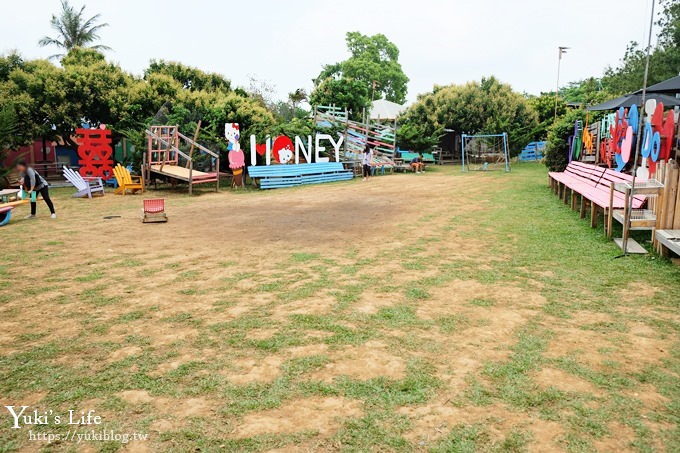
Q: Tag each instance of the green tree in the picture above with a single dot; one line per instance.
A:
(191, 78)
(52, 101)
(664, 58)
(488, 106)
(74, 30)
(586, 92)
(297, 97)
(373, 65)
(8, 131)
(37, 91)
(544, 106)
(346, 93)
(557, 150)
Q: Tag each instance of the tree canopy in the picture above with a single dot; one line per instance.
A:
(485, 107)
(53, 101)
(628, 75)
(371, 72)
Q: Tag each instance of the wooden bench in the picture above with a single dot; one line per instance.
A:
(669, 240)
(533, 151)
(595, 185)
(407, 156)
(279, 176)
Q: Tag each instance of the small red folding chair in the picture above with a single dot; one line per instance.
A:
(154, 211)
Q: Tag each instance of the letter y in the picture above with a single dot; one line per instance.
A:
(15, 416)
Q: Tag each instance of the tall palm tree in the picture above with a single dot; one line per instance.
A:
(297, 97)
(74, 30)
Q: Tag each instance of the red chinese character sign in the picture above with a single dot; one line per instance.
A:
(95, 152)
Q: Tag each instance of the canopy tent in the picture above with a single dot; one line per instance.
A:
(385, 110)
(670, 87)
(628, 100)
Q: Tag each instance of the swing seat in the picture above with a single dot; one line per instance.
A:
(5, 215)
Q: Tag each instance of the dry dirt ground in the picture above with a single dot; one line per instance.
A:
(410, 312)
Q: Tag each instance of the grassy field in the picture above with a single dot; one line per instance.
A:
(435, 312)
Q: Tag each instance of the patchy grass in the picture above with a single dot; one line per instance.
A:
(470, 319)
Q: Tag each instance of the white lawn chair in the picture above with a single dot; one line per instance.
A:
(85, 188)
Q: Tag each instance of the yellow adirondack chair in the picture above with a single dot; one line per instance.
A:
(126, 181)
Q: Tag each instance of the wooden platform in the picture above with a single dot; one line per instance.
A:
(633, 246)
(17, 202)
(669, 240)
(181, 173)
(640, 219)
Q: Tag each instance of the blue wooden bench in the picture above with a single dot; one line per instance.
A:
(278, 176)
(408, 156)
(533, 151)
(428, 158)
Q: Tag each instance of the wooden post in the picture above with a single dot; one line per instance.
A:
(346, 130)
(191, 170)
(610, 212)
(217, 186)
(626, 225)
(593, 215)
(660, 204)
(395, 139)
(676, 216)
(667, 205)
(582, 212)
(193, 143)
(145, 169)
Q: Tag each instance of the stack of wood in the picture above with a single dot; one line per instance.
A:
(668, 214)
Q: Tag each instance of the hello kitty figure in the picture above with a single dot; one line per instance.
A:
(283, 150)
(286, 155)
(232, 133)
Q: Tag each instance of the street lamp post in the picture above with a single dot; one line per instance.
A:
(561, 50)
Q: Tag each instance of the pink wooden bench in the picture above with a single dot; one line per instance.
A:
(595, 185)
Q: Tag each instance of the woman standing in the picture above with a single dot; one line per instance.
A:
(366, 161)
(33, 182)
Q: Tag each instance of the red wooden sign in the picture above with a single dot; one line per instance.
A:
(95, 152)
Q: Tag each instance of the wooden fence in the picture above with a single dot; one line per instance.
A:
(668, 213)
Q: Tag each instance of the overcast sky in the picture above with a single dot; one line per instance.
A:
(286, 42)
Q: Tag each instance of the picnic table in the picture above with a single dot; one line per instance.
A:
(7, 195)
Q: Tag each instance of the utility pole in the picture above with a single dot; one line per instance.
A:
(561, 50)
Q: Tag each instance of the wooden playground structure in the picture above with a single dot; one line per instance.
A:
(164, 153)
(381, 135)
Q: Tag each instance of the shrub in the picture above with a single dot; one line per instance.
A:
(557, 150)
